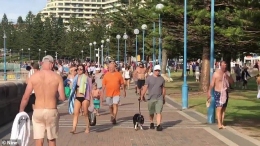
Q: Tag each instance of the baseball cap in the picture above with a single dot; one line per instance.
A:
(157, 67)
(47, 58)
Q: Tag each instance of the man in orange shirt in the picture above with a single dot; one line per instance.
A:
(112, 82)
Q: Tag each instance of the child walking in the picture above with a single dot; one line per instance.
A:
(96, 98)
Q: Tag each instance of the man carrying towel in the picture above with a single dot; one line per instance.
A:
(220, 82)
(45, 84)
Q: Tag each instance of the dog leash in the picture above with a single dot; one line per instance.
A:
(139, 100)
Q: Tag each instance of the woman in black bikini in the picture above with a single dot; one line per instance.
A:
(82, 99)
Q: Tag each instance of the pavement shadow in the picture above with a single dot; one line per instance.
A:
(170, 123)
(126, 104)
(108, 126)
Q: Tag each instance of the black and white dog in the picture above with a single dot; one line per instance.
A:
(138, 121)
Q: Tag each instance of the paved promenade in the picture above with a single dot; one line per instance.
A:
(181, 128)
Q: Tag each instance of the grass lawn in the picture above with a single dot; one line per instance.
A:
(243, 111)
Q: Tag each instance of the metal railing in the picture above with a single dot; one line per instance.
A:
(10, 67)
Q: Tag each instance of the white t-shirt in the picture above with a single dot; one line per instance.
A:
(127, 74)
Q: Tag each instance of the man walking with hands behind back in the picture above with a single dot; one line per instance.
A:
(112, 82)
(220, 82)
(156, 99)
(45, 84)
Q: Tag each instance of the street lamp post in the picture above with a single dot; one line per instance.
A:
(56, 56)
(154, 45)
(102, 57)
(108, 46)
(118, 38)
(90, 44)
(22, 55)
(144, 27)
(159, 7)
(94, 43)
(185, 85)
(10, 55)
(45, 52)
(136, 32)
(29, 53)
(211, 109)
(82, 54)
(98, 56)
(5, 73)
(125, 38)
(39, 54)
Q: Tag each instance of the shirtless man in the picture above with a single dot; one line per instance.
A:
(220, 91)
(45, 84)
(141, 76)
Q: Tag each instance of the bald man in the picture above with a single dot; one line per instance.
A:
(45, 84)
(112, 82)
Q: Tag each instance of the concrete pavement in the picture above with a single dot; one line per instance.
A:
(181, 128)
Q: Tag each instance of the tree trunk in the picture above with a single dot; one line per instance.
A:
(164, 61)
(204, 77)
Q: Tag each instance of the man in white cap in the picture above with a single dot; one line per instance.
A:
(45, 84)
(156, 99)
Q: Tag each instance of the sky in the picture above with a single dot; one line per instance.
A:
(15, 8)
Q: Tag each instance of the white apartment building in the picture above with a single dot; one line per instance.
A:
(85, 9)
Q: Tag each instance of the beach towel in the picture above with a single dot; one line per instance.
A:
(21, 129)
(83, 90)
(225, 85)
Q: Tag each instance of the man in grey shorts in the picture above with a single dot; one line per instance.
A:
(112, 82)
(156, 99)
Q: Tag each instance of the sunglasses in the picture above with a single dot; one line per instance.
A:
(157, 70)
(79, 69)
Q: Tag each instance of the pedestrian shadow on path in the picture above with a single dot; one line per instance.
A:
(108, 126)
(169, 124)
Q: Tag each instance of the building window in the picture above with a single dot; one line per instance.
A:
(93, 0)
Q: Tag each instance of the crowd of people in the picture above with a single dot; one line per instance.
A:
(89, 86)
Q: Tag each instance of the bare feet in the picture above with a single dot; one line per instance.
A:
(73, 131)
(87, 130)
(98, 114)
(223, 127)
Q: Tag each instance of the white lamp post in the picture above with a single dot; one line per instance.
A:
(118, 38)
(90, 44)
(29, 53)
(102, 58)
(125, 38)
(136, 32)
(39, 54)
(108, 46)
(94, 43)
(144, 27)
(159, 7)
(82, 54)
